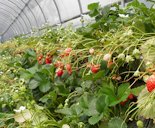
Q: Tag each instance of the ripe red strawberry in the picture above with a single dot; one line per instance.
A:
(59, 72)
(67, 51)
(123, 102)
(69, 69)
(95, 68)
(48, 60)
(150, 83)
(40, 59)
(131, 96)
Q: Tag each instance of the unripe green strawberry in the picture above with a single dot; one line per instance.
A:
(23, 88)
(65, 126)
(136, 74)
(121, 56)
(15, 96)
(140, 124)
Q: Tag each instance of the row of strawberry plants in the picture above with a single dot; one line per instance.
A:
(87, 78)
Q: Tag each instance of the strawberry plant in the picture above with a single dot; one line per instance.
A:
(101, 75)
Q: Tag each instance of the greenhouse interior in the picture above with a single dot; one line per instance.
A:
(77, 63)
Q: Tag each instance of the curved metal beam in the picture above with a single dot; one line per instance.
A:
(17, 17)
(57, 8)
(19, 14)
(10, 13)
(14, 30)
(15, 12)
(6, 14)
(6, 23)
(32, 14)
(22, 11)
(41, 11)
(19, 23)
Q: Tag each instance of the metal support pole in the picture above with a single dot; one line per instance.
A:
(81, 11)
(57, 8)
(123, 3)
(41, 11)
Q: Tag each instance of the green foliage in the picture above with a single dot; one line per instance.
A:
(117, 122)
(116, 43)
(94, 9)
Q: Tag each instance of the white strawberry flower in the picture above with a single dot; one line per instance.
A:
(2, 99)
(21, 108)
(141, 57)
(148, 63)
(123, 16)
(1, 72)
(128, 33)
(80, 124)
(136, 51)
(77, 103)
(65, 126)
(102, 40)
(129, 58)
(67, 100)
(22, 114)
(16, 90)
(121, 56)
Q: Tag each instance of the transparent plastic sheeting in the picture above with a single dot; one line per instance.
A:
(22, 16)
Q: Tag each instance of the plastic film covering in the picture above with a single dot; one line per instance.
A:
(50, 11)
(22, 16)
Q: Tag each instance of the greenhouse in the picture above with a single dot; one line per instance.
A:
(77, 63)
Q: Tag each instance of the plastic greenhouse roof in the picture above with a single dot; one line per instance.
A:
(21, 16)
